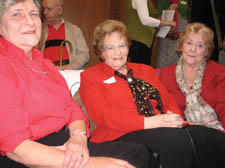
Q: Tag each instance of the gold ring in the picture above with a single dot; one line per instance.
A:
(81, 155)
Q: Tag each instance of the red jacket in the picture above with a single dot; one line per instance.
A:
(109, 101)
(212, 90)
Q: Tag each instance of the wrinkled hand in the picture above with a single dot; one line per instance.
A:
(167, 23)
(64, 67)
(76, 152)
(163, 120)
(106, 162)
(172, 23)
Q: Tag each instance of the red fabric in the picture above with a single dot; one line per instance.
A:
(53, 53)
(212, 91)
(32, 105)
(176, 13)
(111, 104)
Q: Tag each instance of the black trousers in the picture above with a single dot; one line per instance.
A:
(192, 147)
(136, 154)
(139, 53)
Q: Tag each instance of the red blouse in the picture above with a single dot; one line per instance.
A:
(32, 104)
(109, 101)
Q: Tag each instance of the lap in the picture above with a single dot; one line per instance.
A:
(136, 154)
(171, 144)
(180, 148)
(209, 145)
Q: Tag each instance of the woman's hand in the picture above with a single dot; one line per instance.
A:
(167, 23)
(64, 67)
(106, 162)
(163, 120)
(76, 152)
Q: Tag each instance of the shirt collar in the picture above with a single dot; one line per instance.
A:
(62, 22)
(109, 70)
(10, 48)
(18, 54)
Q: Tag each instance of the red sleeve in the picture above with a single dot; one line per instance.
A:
(14, 125)
(220, 91)
(77, 114)
(73, 108)
(103, 112)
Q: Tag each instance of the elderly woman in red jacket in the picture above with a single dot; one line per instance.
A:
(198, 83)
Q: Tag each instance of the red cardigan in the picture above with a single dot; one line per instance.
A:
(212, 91)
(110, 103)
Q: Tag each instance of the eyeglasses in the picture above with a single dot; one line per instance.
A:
(200, 46)
(111, 48)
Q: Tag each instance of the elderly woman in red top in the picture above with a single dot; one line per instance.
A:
(198, 83)
(41, 126)
(128, 102)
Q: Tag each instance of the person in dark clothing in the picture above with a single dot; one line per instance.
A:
(203, 13)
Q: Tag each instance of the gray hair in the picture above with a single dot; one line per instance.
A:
(6, 4)
(61, 2)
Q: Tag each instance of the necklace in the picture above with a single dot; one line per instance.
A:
(36, 70)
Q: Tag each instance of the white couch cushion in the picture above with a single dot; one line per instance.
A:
(72, 78)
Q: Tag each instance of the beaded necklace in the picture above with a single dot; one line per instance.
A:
(35, 70)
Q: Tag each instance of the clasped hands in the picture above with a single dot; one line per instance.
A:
(77, 156)
(164, 120)
(76, 152)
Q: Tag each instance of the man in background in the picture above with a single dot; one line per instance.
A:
(60, 37)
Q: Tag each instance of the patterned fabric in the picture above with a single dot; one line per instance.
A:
(166, 47)
(197, 110)
(175, 14)
(142, 92)
(182, 9)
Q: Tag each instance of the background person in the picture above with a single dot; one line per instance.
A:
(135, 115)
(55, 30)
(41, 125)
(166, 46)
(203, 14)
(141, 27)
(198, 85)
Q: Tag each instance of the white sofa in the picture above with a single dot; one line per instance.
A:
(72, 78)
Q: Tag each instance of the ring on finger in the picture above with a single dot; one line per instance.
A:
(81, 154)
